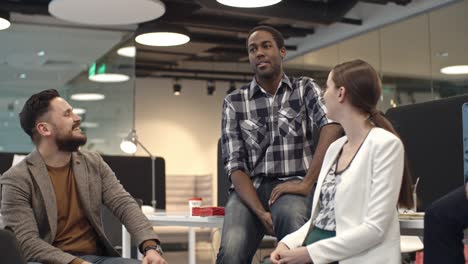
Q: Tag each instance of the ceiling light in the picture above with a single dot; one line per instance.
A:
(162, 39)
(89, 124)
(4, 20)
(100, 73)
(177, 89)
(161, 34)
(248, 3)
(87, 97)
(117, 12)
(79, 111)
(22, 76)
(442, 54)
(127, 51)
(456, 69)
(96, 141)
(210, 87)
(232, 87)
(40, 53)
(109, 77)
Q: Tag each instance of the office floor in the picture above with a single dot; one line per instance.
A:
(206, 255)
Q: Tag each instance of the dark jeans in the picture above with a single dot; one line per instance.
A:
(444, 223)
(104, 260)
(243, 231)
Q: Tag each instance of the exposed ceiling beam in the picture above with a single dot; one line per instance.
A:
(351, 21)
(231, 24)
(301, 10)
(26, 7)
(224, 40)
(384, 2)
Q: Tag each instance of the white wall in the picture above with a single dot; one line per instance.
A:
(184, 129)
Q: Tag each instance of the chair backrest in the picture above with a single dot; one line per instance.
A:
(10, 252)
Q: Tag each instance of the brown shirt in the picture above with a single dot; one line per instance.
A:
(74, 232)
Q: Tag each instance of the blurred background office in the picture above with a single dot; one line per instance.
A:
(172, 95)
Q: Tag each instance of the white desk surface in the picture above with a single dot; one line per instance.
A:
(182, 219)
(411, 223)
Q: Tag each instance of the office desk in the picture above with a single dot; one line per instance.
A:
(181, 219)
(412, 224)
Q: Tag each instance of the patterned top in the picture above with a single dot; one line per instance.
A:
(272, 135)
(326, 216)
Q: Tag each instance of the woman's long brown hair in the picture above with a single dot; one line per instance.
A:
(364, 88)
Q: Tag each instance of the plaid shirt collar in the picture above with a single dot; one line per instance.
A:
(255, 87)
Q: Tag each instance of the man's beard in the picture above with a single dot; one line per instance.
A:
(69, 143)
(267, 75)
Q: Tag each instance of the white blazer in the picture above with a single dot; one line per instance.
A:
(367, 227)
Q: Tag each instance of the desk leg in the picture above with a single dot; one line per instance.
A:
(192, 246)
(126, 243)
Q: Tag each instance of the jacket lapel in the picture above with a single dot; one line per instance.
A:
(39, 172)
(82, 182)
(323, 172)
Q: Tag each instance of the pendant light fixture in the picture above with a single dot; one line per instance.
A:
(161, 34)
(106, 73)
(107, 12)
(4, 20)
(248, 3)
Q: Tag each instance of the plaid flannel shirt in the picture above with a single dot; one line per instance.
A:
(272, 136)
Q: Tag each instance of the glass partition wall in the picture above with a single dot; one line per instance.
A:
(73, 60)
(409, 55)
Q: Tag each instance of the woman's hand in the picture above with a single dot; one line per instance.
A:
(294, 256)
(275, 256)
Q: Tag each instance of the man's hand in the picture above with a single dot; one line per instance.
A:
(267, 222)
(275, 256)
(294, 187)
(295, 256)
(153, 257)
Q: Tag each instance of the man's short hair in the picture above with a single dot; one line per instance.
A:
(34, 108)
(277, 36)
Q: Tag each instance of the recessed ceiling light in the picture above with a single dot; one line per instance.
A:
(248, 3)
(162, 39)
(4, 20)
(22, 76)
(79, 111)
(102, 72)
(97, 140)
(109, 77)
(442, 54)
(456, 69)
(40, 53)
(89, 124)
(127, 51)
(87, 97)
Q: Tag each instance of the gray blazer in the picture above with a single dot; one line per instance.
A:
(29, 206)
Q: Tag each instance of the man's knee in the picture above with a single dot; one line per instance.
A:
(233, 248)
(290, 208)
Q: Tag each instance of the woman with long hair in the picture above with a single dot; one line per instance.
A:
(364, 177)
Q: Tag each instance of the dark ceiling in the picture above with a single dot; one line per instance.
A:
(217, 32)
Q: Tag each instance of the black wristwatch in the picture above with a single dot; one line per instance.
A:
(156, 247)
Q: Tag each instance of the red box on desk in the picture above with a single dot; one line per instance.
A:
(208, 211)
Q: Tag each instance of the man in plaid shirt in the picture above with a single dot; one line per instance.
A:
(268, 128)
